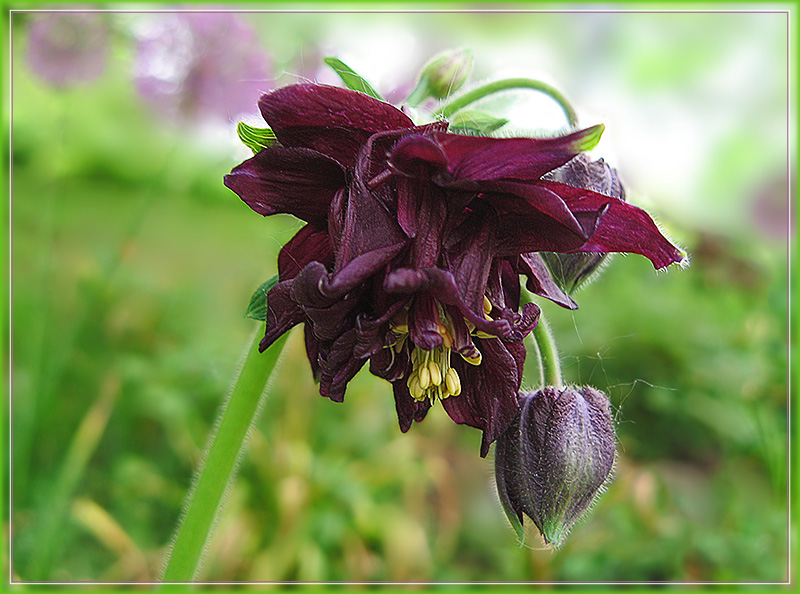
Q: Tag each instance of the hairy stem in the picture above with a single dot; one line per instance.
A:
(551, 364)
(507, 84)
(223, 451)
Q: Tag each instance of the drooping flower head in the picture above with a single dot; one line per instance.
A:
(68, 48)
(414, 243)
(200, 64)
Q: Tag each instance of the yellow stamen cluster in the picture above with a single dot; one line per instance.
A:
(432, 376)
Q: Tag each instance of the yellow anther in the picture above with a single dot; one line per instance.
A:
(452, 382)
(441, 328)
(415, 389)
(487, 305)
(476, 360)
(400, 329)
(436, 373)
(424, 377)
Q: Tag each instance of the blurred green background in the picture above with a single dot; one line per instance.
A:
(132, 266)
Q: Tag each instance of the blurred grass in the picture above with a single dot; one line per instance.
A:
(132, 268)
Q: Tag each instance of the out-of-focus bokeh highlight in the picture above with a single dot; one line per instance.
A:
(132, 266)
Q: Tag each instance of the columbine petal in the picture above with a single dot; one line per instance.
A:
(623, 228)
(294, 181)
(539, 280)
(282, 314)
(339, 367)
(488, 400)
(480, 158)
(470, 251)
(333, 121)
(310, 244)
(408, 409)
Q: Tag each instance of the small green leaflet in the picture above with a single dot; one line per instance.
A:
(351, 78)
(258, 302)
(475, 122)
(256, 138)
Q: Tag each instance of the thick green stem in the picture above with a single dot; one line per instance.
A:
(551, 364)
(216, 472)
(507, 84)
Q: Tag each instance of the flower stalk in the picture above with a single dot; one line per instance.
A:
(548, 353)
(507, 84)
(220, 460)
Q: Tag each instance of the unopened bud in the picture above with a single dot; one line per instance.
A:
(570, 271)
(447, 72)
(553, 460)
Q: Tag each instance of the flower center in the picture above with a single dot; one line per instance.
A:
(432, 377)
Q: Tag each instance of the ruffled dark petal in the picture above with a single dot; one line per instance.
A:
(312, 350)
(358, 270)
(441, 285)
(331, 120)
(423, 323)
(296, 181)
(373, 332)
(282, 313)
(536, 232)
(339, 366)
(367, 225)
(488, 399)
(310, 244)
(391, 365)
(518, 199)
(408, 409)
(480, 158)
(469, 250)
(540, 282)
(623, 228)
(417, 155)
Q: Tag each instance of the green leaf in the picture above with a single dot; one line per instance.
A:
(351, 78)
(258, 302)
(256, 138)
(475, 122)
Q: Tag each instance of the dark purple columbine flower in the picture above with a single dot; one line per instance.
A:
(414, 243)
(68, 48)
(194, 65)
(554, 458)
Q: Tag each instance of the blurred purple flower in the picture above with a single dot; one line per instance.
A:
(68, 48)
(195, 65)
(414, 244)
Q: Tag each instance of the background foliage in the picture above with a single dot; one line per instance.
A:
(132, 266)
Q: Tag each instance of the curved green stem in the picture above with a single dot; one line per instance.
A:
(537, 354)
(223, 451)
(551, 364)
(506, 84)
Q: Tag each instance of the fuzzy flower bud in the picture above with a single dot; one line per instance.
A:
(571, 271)
(447, 72)
(553, 460)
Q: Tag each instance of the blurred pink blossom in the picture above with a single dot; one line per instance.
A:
(68, 48)
(195, 65)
